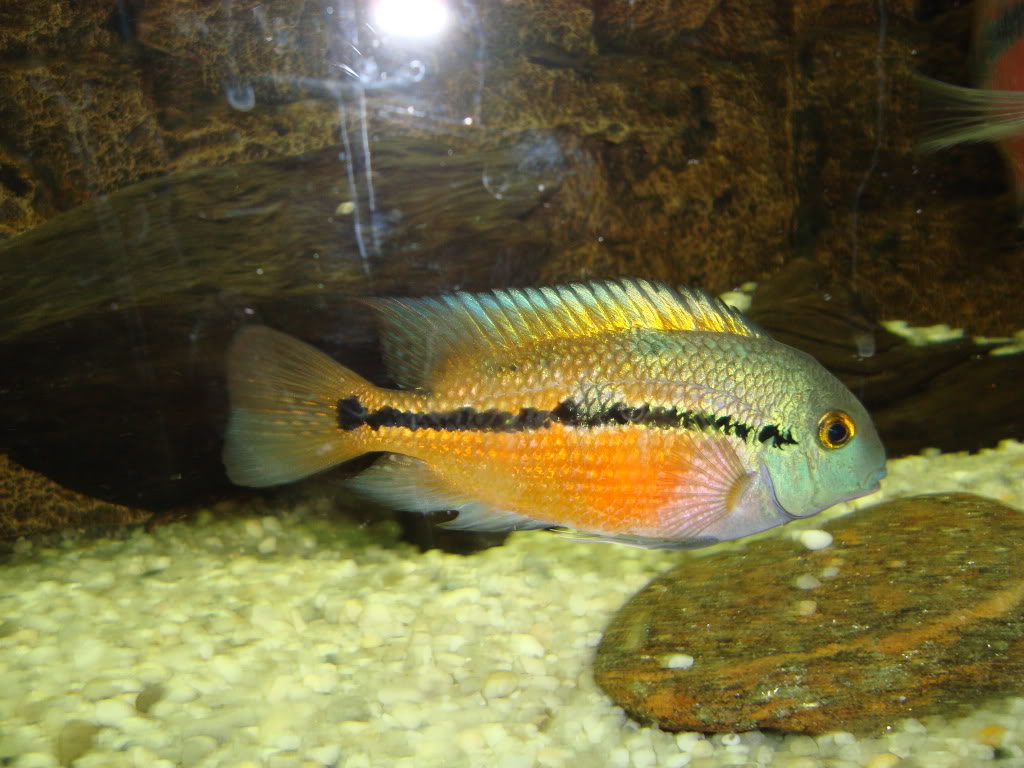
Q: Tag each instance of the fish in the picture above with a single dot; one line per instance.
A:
(993, 110)
(618, 411)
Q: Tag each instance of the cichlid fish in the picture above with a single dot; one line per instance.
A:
(623, 410)
(994, 110)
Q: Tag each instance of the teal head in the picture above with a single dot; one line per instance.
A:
(838, 455)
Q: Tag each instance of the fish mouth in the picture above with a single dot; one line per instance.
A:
(875, 481)
(872, 484)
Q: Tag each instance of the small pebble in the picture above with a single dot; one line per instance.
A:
(98, 689)
(806, 607)
(113, 711)
(815, 538)
(408, 715)
(267, 546)
(677, 661)
(499, 684)
(36, 760)
(326, 755)
(527, 645)
(149, 696)
(802, 745)
(806, 581)
(992, 735)
(882, 760)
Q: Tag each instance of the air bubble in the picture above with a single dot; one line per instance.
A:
(241, 97)
(865, 344)
(496, 185)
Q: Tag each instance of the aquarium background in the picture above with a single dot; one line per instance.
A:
(171, 170)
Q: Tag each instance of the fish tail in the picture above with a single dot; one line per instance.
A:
(969, 115)
(284, 396)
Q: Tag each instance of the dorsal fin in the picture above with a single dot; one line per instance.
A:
(419, 335)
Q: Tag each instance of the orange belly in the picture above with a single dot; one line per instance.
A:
(604, 480)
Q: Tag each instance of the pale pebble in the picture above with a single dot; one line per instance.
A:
(806, 582)
(267, 546)
(36, 760)
(408, 714)
(815, 538)
(113, 711)
(882, 760)
(499, 684)
(527, 645)
(677, 661)
(327, 754)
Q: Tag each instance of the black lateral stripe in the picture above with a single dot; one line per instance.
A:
(352, 415)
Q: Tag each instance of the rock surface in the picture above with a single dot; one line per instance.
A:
(703, 142)
(916, 608)
(31, 503)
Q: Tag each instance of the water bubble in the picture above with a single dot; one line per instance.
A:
(368, 71)
(240, 96)
(865, 344)
(497, 185)
(417, 70)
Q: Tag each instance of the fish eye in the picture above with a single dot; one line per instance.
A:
(835, 429)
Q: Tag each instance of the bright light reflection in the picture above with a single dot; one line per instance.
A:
(411, 18)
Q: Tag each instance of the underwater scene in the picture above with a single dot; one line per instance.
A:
(511, 383)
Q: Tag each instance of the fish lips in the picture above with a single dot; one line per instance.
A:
(872, 484)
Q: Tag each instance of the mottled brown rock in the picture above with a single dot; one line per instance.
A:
(919, 610)
(30, 503)
(705, 142)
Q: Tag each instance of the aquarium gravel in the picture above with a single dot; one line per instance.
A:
(293, 641)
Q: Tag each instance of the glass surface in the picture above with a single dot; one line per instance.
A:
(172, 172)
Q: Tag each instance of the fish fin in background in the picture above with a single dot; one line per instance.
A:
(410, 484)
(970, 115)
(420, 337)
(283, 424)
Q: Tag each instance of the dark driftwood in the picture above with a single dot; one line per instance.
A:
(115, 316)
(953, 396)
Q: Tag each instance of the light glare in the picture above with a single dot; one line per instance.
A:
(411, 18)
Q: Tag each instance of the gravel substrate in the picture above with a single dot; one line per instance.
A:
(291, 641)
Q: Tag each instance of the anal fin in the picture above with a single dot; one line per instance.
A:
(407, 483)
(639, 542)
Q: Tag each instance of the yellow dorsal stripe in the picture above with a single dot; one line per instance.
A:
(419, 335)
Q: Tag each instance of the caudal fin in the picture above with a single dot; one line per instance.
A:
(284, 420)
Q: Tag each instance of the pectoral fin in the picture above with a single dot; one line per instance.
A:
(710, 484)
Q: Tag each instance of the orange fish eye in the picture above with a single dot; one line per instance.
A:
(835, 429)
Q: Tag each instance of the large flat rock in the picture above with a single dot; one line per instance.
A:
(916, 608)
